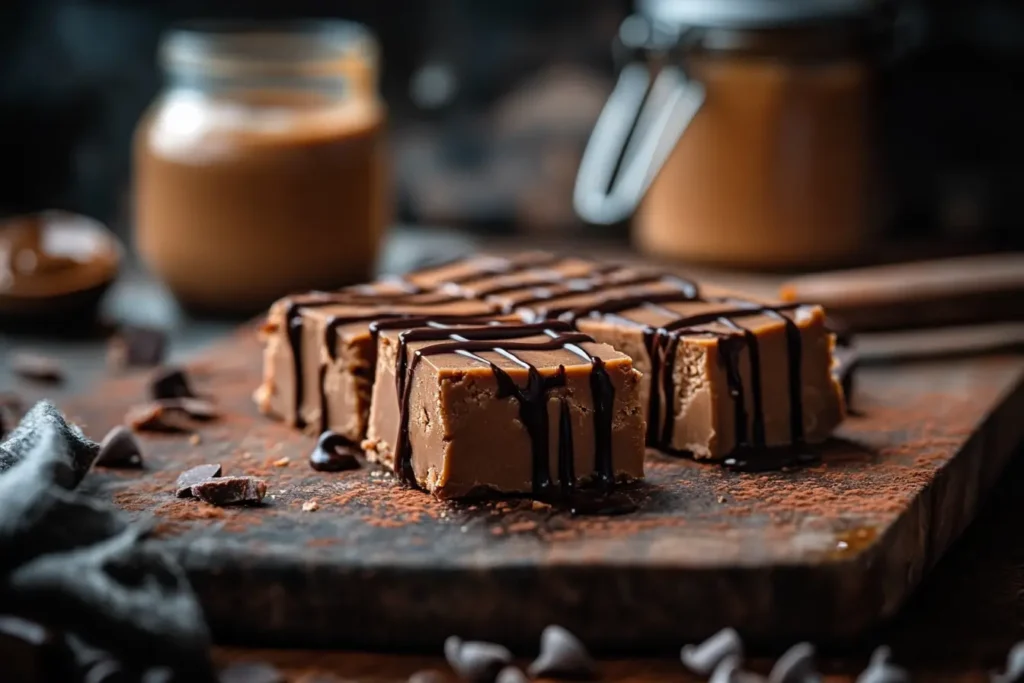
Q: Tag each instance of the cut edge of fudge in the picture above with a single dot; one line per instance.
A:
(463, 433)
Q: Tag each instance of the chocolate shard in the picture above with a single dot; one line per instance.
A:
(796, 665)
(252, 672)
(171, 382)
(231, 491)
(334, 453)
(702, 659)
(171, 414)
(36, 367)
(120, 449)
(476, 661)
(156, 416)
(193, 476)
(136, 346)
(511, 674)
(428, 676)
(66, 453)
(196, 408)
(881, 670)
(562, 655)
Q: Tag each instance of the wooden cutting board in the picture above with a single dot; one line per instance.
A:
(820, 552)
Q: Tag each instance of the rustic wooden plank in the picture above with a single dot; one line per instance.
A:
(821, 552)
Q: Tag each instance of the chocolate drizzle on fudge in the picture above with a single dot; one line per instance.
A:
(662, 344)
(556, 296)
(505, 340)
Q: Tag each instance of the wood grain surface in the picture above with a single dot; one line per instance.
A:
(822, 552)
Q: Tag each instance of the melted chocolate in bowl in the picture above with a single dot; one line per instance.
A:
(55, 263)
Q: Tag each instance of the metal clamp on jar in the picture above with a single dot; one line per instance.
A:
(744, 136)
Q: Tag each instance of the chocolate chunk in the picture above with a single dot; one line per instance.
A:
(196, 475)
(137, 346)
(252, 672)
(36, 367)
(334, 453)
(196, 408)
(120, 448)
(880, 670)
(562, 655)
(231, 490)
(170, 382)
(428, 676)
(476, 661)
(171, 414)
(158, 416)
(796, 665)
(511, 674)
(702, 659)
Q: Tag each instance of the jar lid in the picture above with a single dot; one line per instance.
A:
(752, 14)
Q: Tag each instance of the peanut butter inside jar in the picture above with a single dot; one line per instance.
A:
(261, 170)
(743, 138)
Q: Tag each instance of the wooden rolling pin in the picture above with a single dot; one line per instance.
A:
(957, 291)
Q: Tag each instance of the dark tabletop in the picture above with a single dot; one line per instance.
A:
(958, 626)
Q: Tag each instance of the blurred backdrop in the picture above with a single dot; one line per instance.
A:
(490, 105)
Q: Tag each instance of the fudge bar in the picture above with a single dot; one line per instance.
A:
(320, 353)
(320, 356)
(512, 408)
(720, 372)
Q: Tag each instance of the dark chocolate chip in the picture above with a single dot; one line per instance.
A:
(476, 661)
(136, 346)
(120, 448)
(334, 453)
(170, 382)
(251, 672)
(881, 670)
(511, 674)
(562, 655)
(231, 490)
(428, 676)
(702, 659)
(36, 367)
(452, 647)
(796, 665)
(196, 475)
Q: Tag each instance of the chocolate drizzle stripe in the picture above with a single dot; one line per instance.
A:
(581, 285)
(532, 398)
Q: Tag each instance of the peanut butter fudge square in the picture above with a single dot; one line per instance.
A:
(721, 372)
(509, 408)
(320, 353)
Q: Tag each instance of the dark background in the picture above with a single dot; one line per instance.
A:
(524, 81)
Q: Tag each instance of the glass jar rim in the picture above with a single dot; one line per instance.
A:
(304, 47)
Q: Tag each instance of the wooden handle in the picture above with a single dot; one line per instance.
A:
(958, 291)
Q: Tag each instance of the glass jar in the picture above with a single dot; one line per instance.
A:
(744, 138)
(260, 170)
